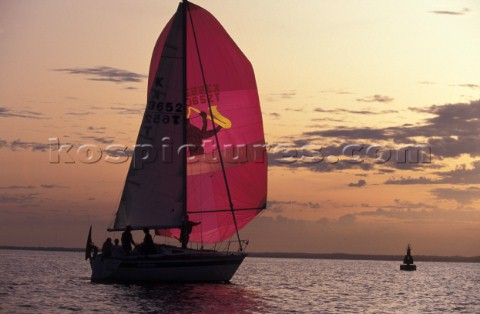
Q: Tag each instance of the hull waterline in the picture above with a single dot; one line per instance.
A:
(203, 267)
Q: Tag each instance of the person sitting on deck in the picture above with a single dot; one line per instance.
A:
(186, 230)
(117, 250)
(107, 248)
(127, 241)
(147, 246)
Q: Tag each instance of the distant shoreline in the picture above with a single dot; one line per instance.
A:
(336, 256)
(346, 256)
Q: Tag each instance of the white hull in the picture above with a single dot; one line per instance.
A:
(184, 266)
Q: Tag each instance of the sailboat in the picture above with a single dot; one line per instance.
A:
(199, 159)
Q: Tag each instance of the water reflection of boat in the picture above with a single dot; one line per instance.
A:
(187, 298)
(408, 264)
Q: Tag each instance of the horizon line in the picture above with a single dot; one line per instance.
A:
(303, 255)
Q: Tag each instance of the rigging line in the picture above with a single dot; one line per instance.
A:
(214, 130)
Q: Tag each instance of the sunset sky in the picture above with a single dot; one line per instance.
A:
(385, 74)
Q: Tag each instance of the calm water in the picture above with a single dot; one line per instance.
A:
(58, 282)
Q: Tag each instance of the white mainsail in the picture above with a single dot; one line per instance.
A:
(154, 191)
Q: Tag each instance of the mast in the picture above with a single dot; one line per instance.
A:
(184, 47)
(215, 133)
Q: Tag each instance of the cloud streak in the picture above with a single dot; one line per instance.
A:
(16, 145)
(447, 12)
(376, 98)
(449, 131)
(106, 74)
(97, 130)
(127, 111)
(85, 113)
(30, 187)
(18, 198)
(280, 206)
(471, 86)
(100, 139)
(33, 146)
(336, 91)
(274, 115)
(452, 131)
(285, 95)
(10, 113)
(465, 196)
(461, 175)
(420, 213)
(17, 187)
(53, 186)
(363, 112)
(359, 184)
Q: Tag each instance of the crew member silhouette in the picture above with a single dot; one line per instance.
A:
(148, 247)
(186, 230)
(127, 241)
(107, 248)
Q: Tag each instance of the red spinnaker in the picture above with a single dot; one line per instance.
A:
(222, 98)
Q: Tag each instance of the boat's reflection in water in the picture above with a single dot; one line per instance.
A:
(193, 297)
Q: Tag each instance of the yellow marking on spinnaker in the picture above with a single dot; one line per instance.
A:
(219, 119)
